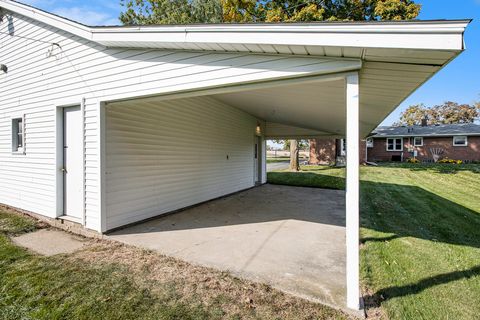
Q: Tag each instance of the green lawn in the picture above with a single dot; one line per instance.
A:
(420, 234)
(112, 281)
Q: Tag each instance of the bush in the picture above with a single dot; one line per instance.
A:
(413, 160)
(450, 161)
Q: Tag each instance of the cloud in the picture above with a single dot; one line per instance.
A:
(86, 16)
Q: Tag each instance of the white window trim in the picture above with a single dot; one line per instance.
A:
(460, 145)
(18, 151)
(418, 145)
(369, 142)
(394, 144)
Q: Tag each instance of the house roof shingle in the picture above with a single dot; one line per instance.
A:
(467, 129)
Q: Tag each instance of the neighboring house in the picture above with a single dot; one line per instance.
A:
(453, 141)
(108, 126)
(331, 152)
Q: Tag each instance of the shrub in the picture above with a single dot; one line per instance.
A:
(413, 160)
(450, 161)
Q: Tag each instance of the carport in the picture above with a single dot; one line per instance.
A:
(123, 124)
(340, 85)
(143, 183)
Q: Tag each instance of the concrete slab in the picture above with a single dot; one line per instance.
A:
(290, 237)
(50, 242)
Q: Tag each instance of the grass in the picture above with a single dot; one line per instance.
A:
(420, 233)
(107, 280)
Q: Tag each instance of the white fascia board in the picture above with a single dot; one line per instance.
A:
(446, 35)
(429, 35)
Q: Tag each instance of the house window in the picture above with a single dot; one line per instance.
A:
(394, 144)
(460, 141)
(369, 142)
(18, 138)
(418, 141)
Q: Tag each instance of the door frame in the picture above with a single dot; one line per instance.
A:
(59, 153)
(257, 168)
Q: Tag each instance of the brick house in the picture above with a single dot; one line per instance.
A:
(331, 151)
(425, 142)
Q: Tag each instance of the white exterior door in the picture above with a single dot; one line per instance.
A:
(72, 162)
(256, 162)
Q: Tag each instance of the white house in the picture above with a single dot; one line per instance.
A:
(107, 126)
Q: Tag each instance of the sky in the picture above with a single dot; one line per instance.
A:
(459, 81)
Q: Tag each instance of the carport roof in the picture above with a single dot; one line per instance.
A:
(395, 58)
(322, 38)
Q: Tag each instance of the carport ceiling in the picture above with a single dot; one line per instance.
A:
(321, 105)
(316, 105)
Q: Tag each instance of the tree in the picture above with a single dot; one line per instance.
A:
(144, 12)
(447, 113)
(413, 115)
(294, 156)
(214, 11)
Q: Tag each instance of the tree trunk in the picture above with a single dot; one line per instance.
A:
(294, 156)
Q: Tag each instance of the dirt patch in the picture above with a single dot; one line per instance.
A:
(373, 309)
(208, 286)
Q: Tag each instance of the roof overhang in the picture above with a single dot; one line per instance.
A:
(392, 58)
(421, 35)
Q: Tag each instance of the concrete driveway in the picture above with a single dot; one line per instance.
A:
(290, 237)
(273, 166)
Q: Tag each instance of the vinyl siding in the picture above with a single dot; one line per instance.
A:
(168, 155)
(42, 75)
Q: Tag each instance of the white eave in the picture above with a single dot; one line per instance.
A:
(411, 35)
(393, 58)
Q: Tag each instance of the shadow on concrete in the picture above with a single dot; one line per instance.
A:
(266, 203)
(393, 210)
(400, 210)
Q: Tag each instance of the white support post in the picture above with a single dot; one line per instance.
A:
(352, 192)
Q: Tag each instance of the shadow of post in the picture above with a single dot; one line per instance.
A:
(382, 295)
(399, 210)
(395, 211)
